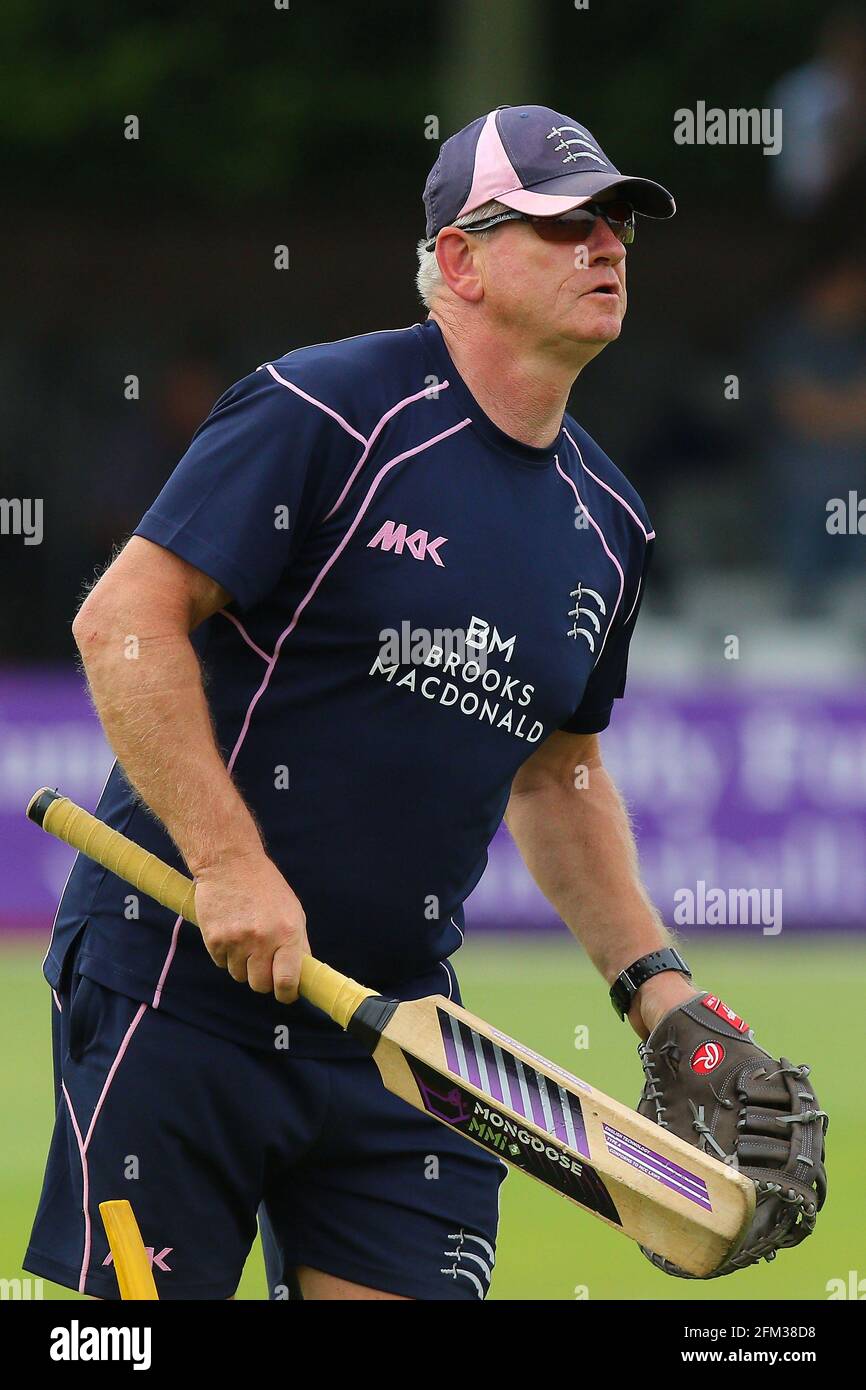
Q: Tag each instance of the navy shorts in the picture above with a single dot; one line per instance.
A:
(202, 1135)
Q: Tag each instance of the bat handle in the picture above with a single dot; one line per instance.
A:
(335, 994)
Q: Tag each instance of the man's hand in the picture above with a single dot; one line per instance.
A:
(656, 997)
(252, 923)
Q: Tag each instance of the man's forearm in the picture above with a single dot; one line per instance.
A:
(146, 684)
(579, 848)
(578, 845)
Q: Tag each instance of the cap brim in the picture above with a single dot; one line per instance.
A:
(555, 196)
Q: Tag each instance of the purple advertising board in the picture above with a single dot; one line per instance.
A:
(734, 794)
(737, 794)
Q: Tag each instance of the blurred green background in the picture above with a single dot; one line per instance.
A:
(800, 998)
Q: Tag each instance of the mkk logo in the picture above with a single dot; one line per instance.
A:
(396, 537)
(156, 1258)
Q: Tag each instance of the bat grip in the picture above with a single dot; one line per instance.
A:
(329, 990)
(334, 993)
(61, 817)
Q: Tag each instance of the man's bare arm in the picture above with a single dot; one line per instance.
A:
(133, 632)
(574, 835)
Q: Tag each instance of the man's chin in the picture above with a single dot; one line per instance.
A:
(599, 330)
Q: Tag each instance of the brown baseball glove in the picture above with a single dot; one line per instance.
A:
(708, 1081)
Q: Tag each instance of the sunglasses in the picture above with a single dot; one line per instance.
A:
(572, 227)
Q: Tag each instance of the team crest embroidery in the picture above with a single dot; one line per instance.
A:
(574, 141)
(587, 623)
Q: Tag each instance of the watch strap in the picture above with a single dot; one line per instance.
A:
(628, 982)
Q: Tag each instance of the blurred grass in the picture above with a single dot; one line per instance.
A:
(804, 999)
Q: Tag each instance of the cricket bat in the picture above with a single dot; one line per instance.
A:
(637, 1177)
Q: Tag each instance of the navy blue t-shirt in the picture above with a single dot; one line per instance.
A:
(418, 602)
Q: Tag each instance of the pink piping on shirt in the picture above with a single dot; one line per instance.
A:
(607, 550)
(272, 661)
(290, 386)
(84, 1143)
(636, 597)
(377, 429)
(246, 636)
(368, 444)
(85, 1189)
(648, 535)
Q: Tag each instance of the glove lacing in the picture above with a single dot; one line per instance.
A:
(806, 1214)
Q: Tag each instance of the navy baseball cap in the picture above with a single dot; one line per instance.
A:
(531, 159)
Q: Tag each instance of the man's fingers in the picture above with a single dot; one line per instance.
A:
(259, 974)
(236, 964)
(285, 969)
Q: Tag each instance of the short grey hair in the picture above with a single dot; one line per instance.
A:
(429, 277)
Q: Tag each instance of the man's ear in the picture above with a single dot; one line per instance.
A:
(458, 259)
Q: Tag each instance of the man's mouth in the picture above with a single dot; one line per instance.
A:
(605, 289)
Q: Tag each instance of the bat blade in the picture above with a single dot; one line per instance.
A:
(608, 1159)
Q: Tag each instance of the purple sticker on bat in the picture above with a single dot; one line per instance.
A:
(499, 1073)
(449, 1106)
(500, 1134)
(663, 1170)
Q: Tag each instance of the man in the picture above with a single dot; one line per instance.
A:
(318, 785)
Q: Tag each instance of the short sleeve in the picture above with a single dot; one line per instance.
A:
(608, 678)
(258, 473)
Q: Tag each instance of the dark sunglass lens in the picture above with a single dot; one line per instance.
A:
(576, 226)
(573, 226)
(618, 212)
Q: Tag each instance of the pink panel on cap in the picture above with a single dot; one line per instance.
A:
(542, 204)
(494, 173)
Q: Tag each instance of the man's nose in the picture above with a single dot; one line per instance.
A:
(604, 246)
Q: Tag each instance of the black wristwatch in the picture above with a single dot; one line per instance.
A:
(627, 984)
